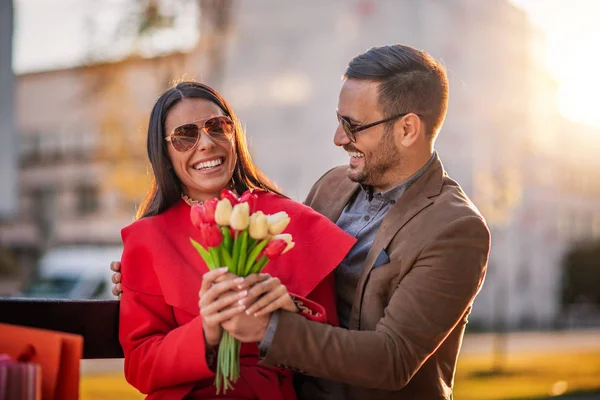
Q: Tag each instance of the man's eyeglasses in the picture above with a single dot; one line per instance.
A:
(351, 129)
(185, 137)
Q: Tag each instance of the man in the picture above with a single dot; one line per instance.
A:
(406, 288)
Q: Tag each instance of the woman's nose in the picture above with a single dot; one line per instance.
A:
(205, 142)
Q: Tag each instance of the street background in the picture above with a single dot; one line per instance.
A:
(78, 79)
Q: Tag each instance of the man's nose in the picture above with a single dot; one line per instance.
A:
(340, 138)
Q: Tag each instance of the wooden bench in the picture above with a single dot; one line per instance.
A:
(96, 320)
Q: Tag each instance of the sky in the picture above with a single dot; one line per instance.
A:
(571, 29)
(572, 35)
(53, 34)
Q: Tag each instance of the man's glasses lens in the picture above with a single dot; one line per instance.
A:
(346, 127)
(185, 137)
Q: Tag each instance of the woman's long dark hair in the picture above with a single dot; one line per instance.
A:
(166, 188)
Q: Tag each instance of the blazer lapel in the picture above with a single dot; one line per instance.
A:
(339, 196)
(413, 201)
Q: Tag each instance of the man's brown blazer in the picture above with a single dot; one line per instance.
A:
(408, 317)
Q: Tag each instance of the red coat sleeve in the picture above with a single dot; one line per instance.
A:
(319, 305)
(158, 352)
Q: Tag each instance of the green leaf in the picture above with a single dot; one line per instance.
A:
(226, 257)
(251, 243)
(253, 255)
(260, 264)
(204, 254)
(214, 252)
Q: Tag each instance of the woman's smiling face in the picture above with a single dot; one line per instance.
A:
(207, 168)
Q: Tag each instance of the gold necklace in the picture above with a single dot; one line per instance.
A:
(191, 202)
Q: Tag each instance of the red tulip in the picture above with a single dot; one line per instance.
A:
(198, 215)
(229, 195)
(251, 199)
(211, 234)
(210, 206)
(275, 248)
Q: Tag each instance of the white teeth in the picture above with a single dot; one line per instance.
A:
(355, 154)
(208, 164)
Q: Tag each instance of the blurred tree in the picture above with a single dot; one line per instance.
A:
(122, 121)
(122, 127)
(208, 56)
(581, 275)
(215, 25)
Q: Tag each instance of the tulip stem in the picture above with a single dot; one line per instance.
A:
(236, 252)
(226, 258)
(227, 238)
(241, 264)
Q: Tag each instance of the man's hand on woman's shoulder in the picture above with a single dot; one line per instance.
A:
(116, 278)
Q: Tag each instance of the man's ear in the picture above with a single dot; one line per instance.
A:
(411, 127)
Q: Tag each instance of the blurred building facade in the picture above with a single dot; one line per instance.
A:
(83, 165)
(503, 140)
(8, 136)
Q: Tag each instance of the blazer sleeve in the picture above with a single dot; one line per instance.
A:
(425, 307)
(158, 352)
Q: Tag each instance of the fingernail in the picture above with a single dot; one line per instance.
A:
(239, 280)
(223, 269)
(243, 293)
(247, 312)
(242, 306)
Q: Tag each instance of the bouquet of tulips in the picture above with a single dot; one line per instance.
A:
(235, 235)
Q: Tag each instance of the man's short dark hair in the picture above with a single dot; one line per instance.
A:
(410, 80)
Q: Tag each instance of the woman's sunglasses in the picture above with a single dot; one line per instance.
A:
(186, 137)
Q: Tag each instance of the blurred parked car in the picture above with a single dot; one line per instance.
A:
(81, 272)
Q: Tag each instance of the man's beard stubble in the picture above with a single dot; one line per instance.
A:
(377, 163)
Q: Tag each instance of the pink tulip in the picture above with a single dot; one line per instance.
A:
(251, 199)
(197, 215)
(210, 206)
(229, 195)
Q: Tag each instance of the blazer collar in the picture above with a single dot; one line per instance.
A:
(340, 196)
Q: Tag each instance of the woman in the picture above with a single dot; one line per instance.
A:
(169, 333)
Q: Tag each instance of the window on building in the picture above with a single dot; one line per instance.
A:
(44, 210)
(88, 200)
